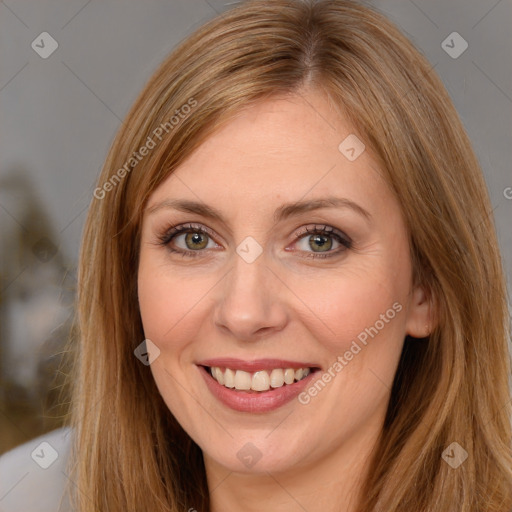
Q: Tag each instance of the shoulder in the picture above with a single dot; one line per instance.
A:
(33, 475)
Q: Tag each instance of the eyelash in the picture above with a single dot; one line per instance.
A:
(169, 234)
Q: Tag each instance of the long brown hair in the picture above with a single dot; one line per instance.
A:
(130, 454)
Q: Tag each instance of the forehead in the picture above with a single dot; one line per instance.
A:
(279, 150)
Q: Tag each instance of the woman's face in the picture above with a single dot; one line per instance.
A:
(267, 288)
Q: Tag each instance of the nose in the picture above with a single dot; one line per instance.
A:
(251, 301)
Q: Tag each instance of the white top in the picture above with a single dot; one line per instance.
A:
(33, 476)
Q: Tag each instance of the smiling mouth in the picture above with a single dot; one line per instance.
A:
(259, 381)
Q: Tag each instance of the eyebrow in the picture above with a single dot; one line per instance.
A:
(283, 212)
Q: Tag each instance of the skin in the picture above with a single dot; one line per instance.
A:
(285, 304)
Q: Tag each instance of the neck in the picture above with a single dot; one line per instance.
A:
(330, 483)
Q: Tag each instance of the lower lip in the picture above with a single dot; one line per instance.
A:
(254, 402)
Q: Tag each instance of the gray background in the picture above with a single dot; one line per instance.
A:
(59, 116)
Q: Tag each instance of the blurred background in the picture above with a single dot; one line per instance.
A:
(70, 70)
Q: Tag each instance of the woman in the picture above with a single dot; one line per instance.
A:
(290, 290)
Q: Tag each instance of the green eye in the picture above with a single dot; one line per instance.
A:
(322, 242)
(322, 239)
(196, 240)
(318, 242)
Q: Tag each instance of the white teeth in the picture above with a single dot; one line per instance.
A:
(219, 376)
(260, 380)
(289, 376)
(243, 380)
(229, 378)
(277, 378)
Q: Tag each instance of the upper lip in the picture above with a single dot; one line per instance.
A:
(255, 365)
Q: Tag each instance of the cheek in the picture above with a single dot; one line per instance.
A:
(155, 300)
(169, 300)
(166, 303)
(361, 316)
(346, 303)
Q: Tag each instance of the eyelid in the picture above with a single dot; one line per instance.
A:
(324, 228)
(342, 239)
(170, 233)
(167, 234)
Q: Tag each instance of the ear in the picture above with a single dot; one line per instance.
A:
(419, 323)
